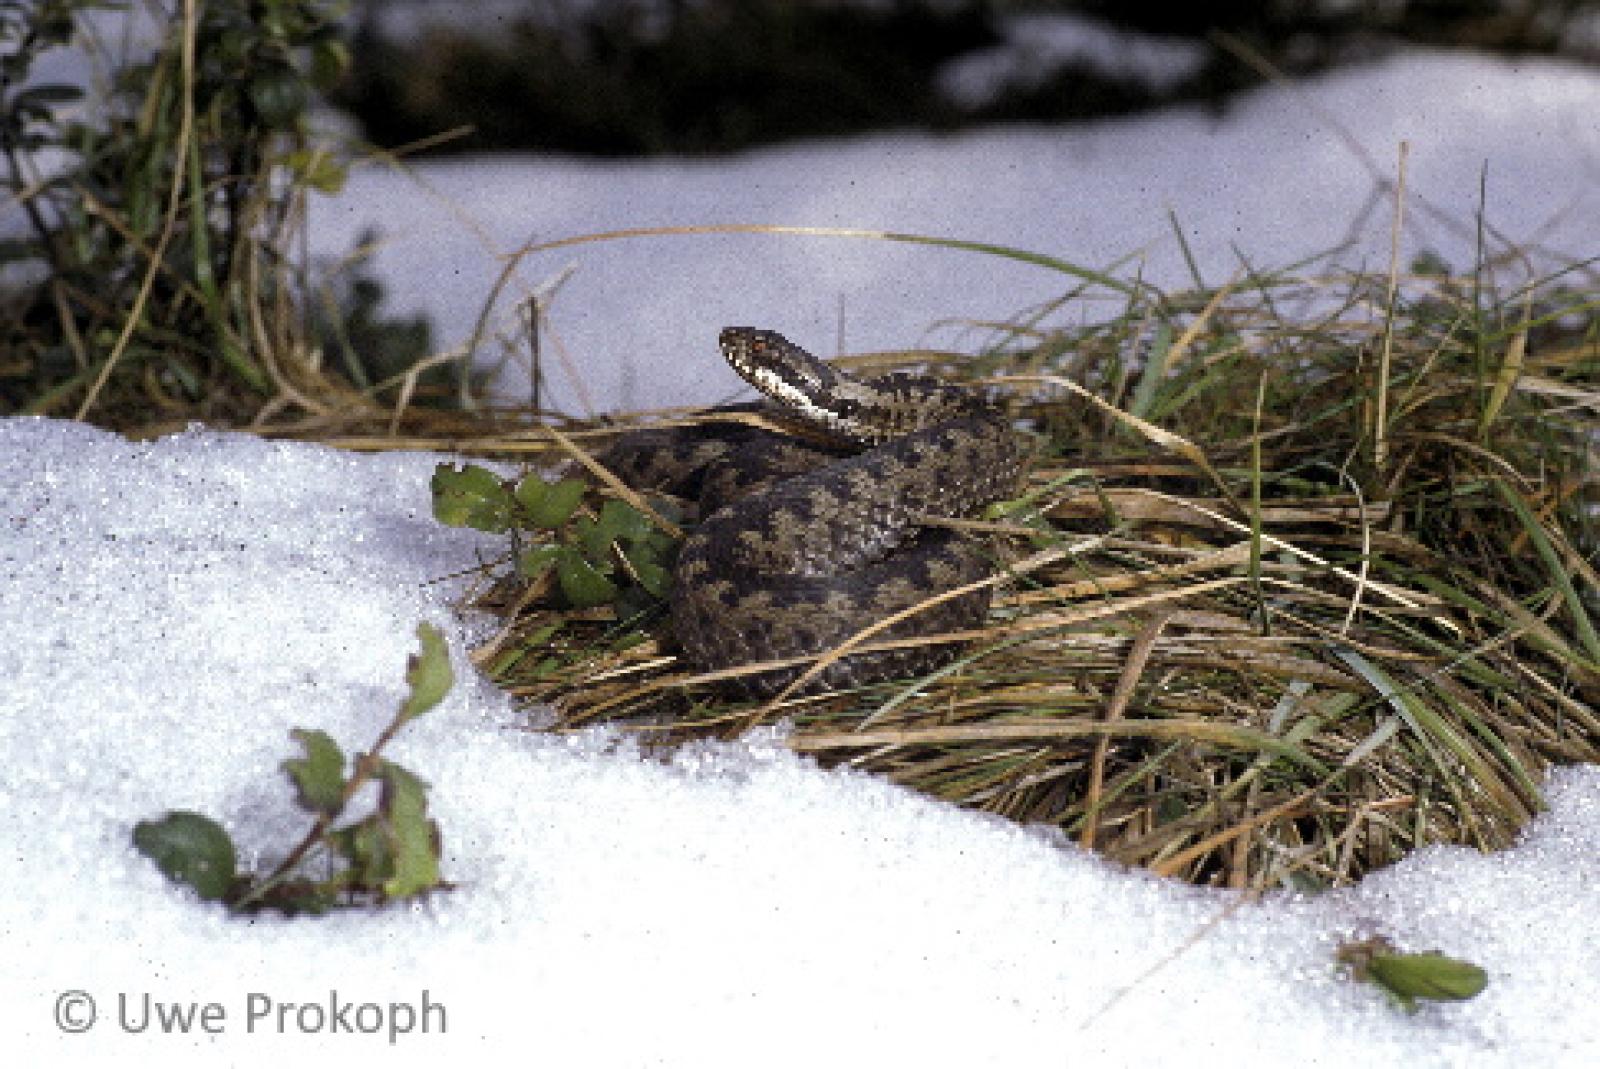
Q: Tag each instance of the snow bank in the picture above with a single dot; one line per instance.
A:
(168, 611)
(1276, 181)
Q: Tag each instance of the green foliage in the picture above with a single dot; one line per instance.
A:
(190, 848)
(390, 854)
(428, 674)
(318, 777)
(408, 834)
(612, 554)
(162, 263)
(1431, 975)
(1406, 978)
(471, 497)
(395, 850)
(549, 505)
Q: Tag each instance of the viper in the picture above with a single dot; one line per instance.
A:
(804, 540)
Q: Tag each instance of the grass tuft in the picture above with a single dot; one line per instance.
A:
(1285, 596)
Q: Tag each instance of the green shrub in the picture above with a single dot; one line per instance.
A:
(161, 269)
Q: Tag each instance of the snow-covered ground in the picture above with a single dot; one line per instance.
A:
(171, 610)
(168, 611)
(1288, 174)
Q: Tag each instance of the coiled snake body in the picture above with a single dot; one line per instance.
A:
(798, 548)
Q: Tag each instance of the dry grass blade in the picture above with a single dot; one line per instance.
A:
(1203, 731)
(1138, 658)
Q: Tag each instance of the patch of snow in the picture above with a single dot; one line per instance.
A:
(169, 610)
(1292, 172)
(1038, 45)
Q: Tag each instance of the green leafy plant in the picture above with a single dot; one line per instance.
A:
(163, 267)
(390, 854)
(1406, 978)
(594, 553)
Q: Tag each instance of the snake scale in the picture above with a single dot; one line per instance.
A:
(801, 546)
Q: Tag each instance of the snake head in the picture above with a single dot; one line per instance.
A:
(823, 402)
(778, 367)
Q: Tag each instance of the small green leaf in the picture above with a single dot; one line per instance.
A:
(661, 543)
(189, 848)
(592, 540)
(279, 97)
(505, 661)
(622, 522)
(530, 491)
(470, 496)
(428, 674)
(629, 640)
(393, 850)
(538, 560)
(619, 524)
(412, 836)
(583, 585)
(651, 575)
(366, 848)
(1409, 977)
(549, 505)
(318, 777)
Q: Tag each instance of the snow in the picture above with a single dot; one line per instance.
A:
(1290, 173)
(170, 610)
(1037, 46)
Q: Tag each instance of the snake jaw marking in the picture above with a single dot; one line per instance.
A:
(804, 559)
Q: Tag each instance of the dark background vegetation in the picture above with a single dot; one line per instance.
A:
(631, 77)
(154, 272)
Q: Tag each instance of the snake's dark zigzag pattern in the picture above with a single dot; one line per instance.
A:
(801, 547)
